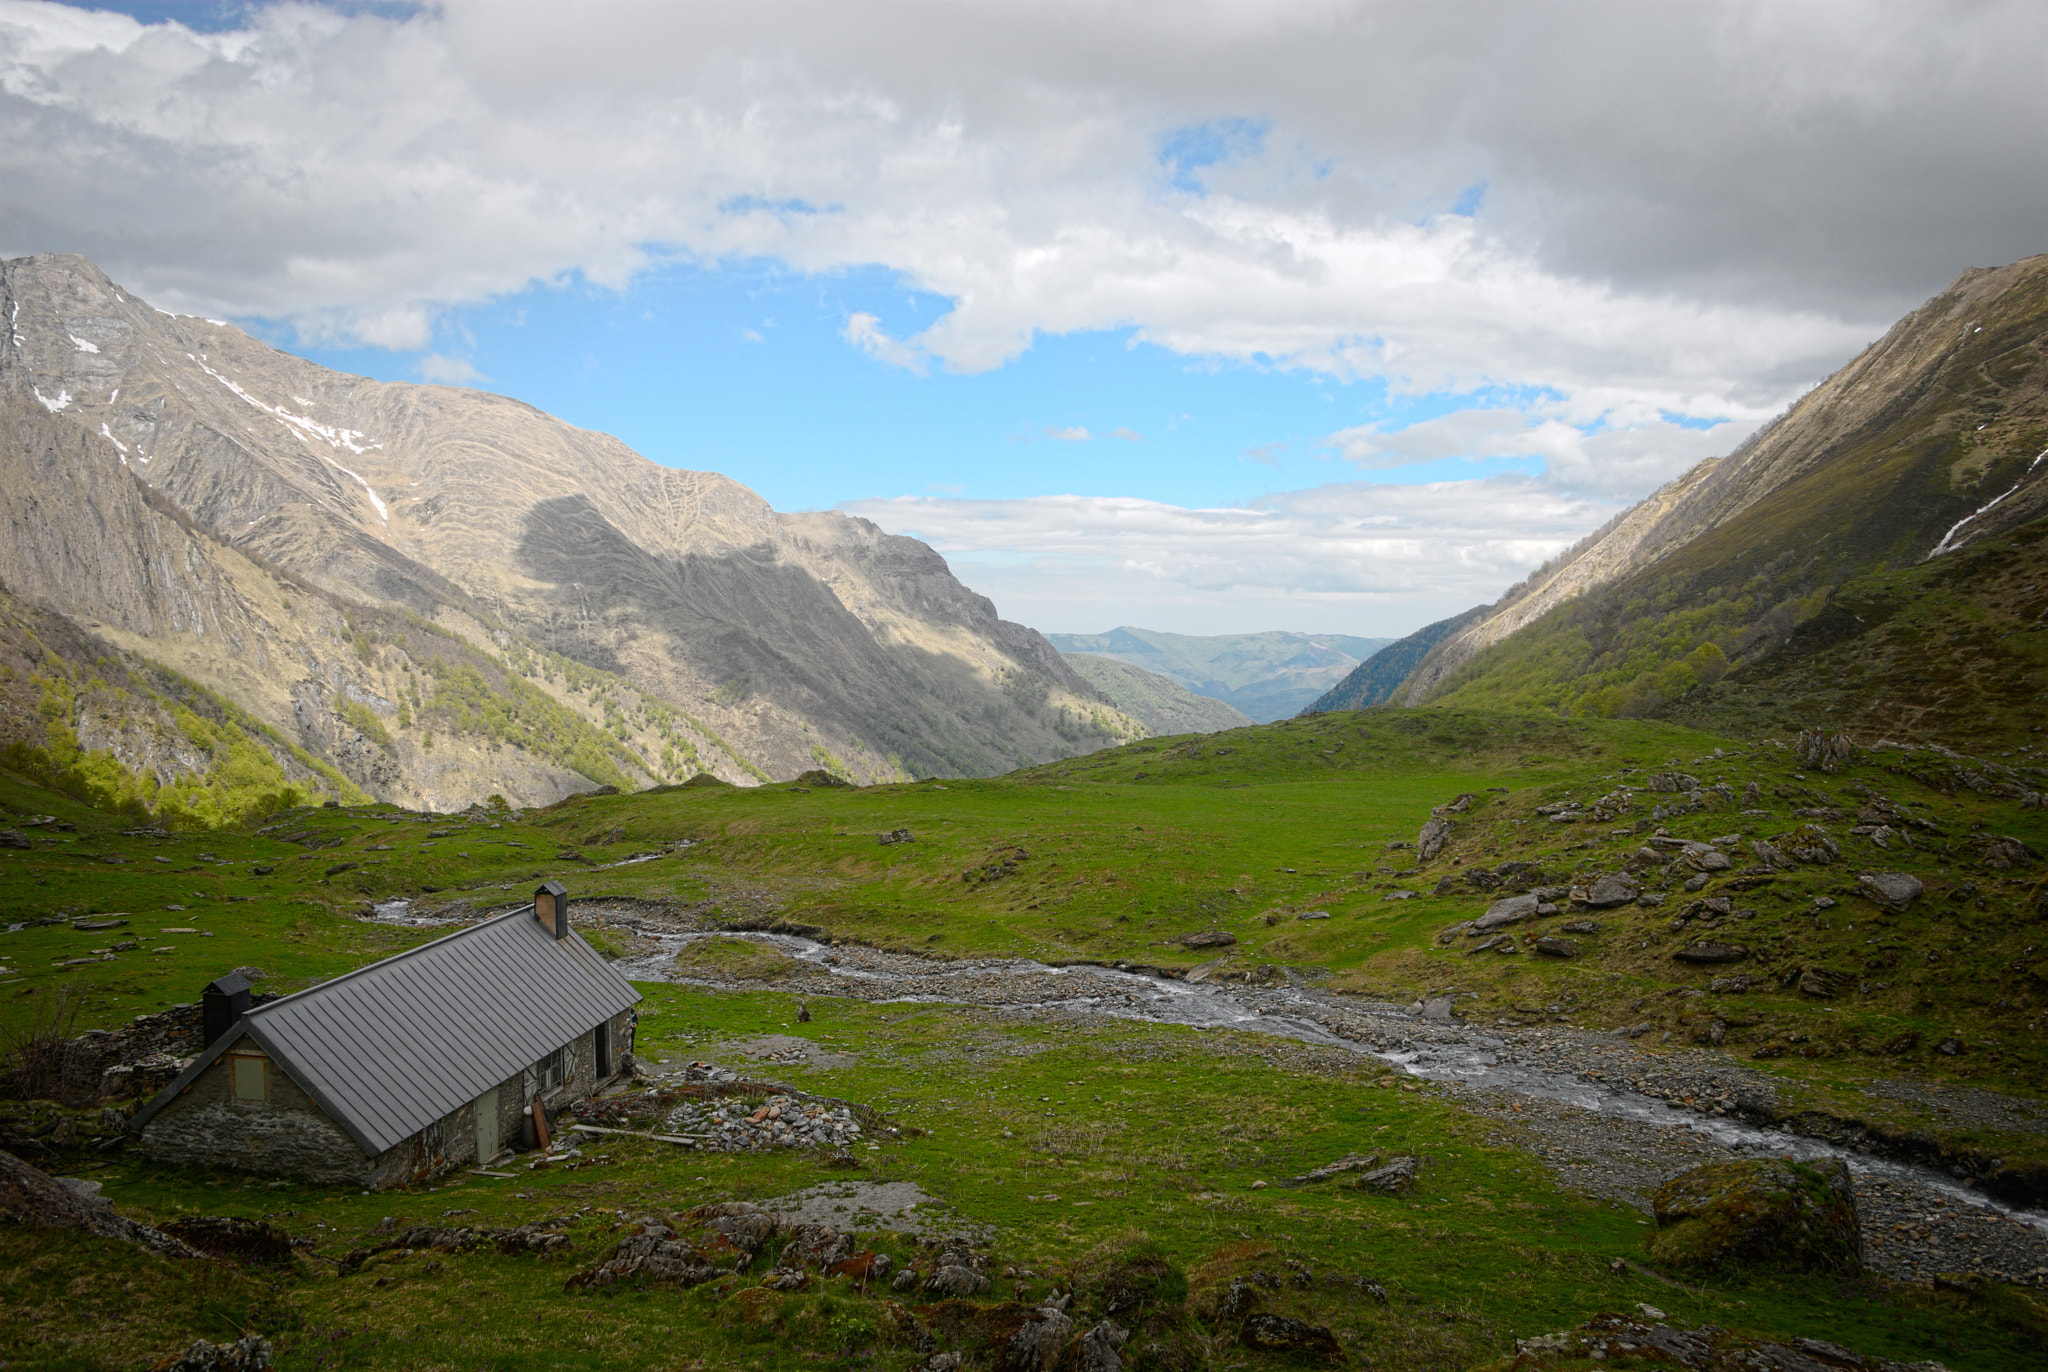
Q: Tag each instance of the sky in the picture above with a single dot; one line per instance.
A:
(1204, 317)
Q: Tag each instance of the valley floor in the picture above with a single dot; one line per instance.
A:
(1101, 1015)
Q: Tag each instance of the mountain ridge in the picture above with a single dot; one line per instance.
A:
(796, 641)
(1748, 593)
(1892, 393)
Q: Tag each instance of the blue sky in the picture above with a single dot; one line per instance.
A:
(1250, 315)
(745, 369)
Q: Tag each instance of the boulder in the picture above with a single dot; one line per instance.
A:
(1610, 890)
(955, 1281)
(1768, 855)
(1707, 952)
(250, 1353)
(1816, 983)
(1350, 1162)
(1100, 1347)
(1894, 891)
(1824, 752)
(1763, 1213)
(1707, 859)
(1214, 938)
(1281, 1334)
(1397, 1176)
(1431, 840)
(1551, 946)
(1038, 1342)
(895, 836)
(1512, 910)
(1810, 844)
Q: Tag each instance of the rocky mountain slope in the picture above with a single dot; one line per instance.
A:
(1267, 676)
(1933, 442)
(189, 491)
(1374, 681)
(1160, 703)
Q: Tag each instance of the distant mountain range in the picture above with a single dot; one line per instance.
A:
(1267, 676)
(1871, 560)
(432, 594)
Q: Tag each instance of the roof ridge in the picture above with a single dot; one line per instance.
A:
(368, 967)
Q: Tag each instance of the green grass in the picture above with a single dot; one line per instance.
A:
(1150, 1134)
(1112, 857)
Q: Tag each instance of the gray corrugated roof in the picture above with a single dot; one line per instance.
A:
(388, 1049)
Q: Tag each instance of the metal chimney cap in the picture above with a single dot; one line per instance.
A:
(234, 983)
(551, 888)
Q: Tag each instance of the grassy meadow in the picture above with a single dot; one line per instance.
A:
(1077, 1141)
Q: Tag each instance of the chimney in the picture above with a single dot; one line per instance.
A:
(551, 908)
(224, 1003)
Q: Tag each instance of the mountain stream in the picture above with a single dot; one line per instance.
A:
(1437, 1049)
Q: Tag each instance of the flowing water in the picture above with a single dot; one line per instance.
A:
(1431, 1051)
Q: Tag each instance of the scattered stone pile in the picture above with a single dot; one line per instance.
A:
(738, 1125)
(1626, 1341)
(723, 1240)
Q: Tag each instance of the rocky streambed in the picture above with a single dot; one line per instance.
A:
(1611, 1118)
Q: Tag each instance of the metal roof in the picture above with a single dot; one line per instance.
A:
(388, 1049)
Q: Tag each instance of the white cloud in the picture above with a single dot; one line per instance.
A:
(1073, 434)
(1696, 209)
(1354, 557)
(447, 371)
(1618, 461)
(864, 331)
(1127, 435)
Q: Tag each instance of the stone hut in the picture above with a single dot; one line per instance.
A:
(401, 1070)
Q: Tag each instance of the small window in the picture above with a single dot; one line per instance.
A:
(549, 1070)
(250, 1077)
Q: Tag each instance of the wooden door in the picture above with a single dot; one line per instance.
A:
(487, 1142)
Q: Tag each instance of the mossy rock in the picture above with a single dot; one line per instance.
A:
(706, 779)
(1140, 1279)
(819, 777)
(1797, 1216)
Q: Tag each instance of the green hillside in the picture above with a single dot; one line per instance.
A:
(1818, 604)
(1161, 704)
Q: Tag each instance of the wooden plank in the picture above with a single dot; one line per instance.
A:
(636, 1133)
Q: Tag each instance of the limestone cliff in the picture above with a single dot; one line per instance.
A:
(193, 492)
